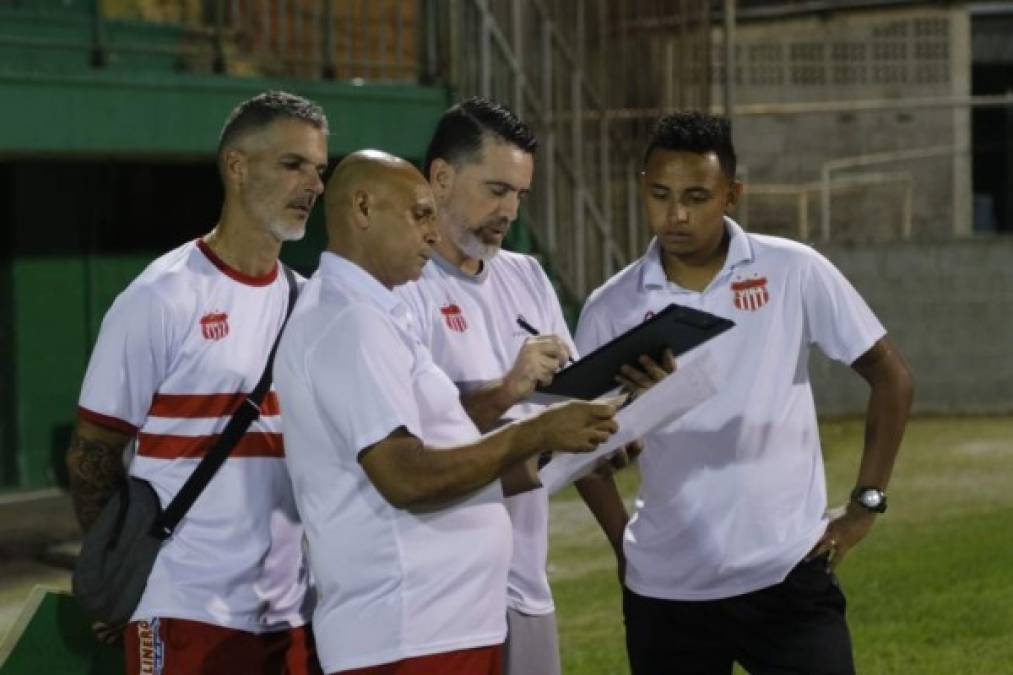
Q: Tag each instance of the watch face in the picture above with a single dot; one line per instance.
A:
(871, 499)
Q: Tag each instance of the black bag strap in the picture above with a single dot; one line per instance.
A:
(242, 418)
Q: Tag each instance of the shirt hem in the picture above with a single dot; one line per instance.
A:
(772, 579)
(532, 610)
(246, 627)
(392, 656)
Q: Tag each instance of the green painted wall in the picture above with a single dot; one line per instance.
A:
(88, 157)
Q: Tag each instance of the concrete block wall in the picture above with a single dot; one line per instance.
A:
(949, 306)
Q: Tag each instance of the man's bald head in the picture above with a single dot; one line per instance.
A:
(381, 215)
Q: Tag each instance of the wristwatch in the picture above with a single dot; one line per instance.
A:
(869, 498)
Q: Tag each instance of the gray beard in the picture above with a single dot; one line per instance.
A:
(475, 248)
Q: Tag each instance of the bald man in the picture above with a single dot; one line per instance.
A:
(401, 496)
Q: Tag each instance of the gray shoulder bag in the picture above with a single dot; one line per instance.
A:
(119, 550)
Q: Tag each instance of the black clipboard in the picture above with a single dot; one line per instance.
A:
(676, 327)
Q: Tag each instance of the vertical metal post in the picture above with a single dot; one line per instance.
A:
(381, 70)
(219, 38)
(330, 71)
(605, 168)
(365, 48)
(729, 35)
(549, 124)
(484, 49)
(906, 229)
(99, 53)
(825, 202)
(281, 23)
(577, 148)
(632, 195)
(427, 39)
(803, 215)
(398, 39)
(517, 39)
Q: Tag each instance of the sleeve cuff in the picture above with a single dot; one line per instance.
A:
(106, 421)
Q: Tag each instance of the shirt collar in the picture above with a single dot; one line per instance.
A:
(350, 276)
(739, 251)
(455, 271)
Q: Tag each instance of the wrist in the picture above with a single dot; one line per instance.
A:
(868, 498)
(508, 393)
(528, 437)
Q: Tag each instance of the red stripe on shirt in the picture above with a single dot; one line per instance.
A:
(252, 444)
(207, 405)
(114, 423)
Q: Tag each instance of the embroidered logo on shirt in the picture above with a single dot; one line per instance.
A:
(149, 647)
(455, 320)
(214, 326)
(751, 294)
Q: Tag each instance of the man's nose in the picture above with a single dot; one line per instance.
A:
(679, 213)
(430, 233)
(509, 205)
(315, 183)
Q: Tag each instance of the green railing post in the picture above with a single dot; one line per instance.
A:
(330, 70)
(99, 52)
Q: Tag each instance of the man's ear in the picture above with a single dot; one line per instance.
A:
(734, 193)
(362, 204)
(234, 166)
(441, 177)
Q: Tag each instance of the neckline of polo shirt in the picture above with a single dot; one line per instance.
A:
(451, 268)
(739, 252)
(337, 267)
(232, 273)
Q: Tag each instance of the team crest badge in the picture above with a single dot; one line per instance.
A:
(454, 318)
(214, 326)
(751, 294)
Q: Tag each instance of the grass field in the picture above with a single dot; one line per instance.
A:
(930, 590)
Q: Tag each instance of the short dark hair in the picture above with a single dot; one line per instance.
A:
(263, 109)
(458, 135)
(694, 131)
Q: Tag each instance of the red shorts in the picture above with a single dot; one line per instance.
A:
(478, 661)
(182, 647)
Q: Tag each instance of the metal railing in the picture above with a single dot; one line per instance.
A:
(374, 40)
(590, 76)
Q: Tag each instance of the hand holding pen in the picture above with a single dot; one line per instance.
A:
(536, 363)
(522, 322)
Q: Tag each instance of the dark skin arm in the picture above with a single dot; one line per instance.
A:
(602, 497)
(409, 474)
(889, 378)
(95, 468)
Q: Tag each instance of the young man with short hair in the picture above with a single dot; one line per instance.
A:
(729, 557)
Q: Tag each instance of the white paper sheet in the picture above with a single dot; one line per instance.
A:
(663, 403)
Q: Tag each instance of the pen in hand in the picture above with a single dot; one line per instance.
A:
(534, 331)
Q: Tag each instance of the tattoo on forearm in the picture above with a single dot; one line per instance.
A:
(96, 472)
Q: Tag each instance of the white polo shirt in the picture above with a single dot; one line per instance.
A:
(469, 322)
(733, 495)
(393, 583)
(176, 354)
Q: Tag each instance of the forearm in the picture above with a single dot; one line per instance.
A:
(95, 469)
(605, 503)
(886, 416)
(408, 474)
(487, 403)
(521, 477)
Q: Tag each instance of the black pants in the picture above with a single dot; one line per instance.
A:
(797, 626)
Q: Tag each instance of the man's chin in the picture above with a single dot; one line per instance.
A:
(285, 233)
